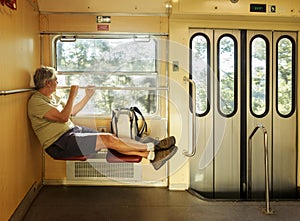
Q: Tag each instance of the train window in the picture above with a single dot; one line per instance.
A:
(285, 88)
(122, 69)
(259, 64)
(227, 75)
(200, 53)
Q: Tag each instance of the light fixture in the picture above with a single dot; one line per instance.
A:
(168, 5)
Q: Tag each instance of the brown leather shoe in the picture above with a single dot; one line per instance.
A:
(162, 156)
(165, 144)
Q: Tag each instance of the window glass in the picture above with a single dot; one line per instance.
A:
(258, 76)
(106, 55)
(124, 71)
(200, 75)
(227, 75)
(285, 76)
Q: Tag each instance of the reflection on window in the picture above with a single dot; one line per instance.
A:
(285, 76)
(107, 63)
(227, 75)
(200, 75)
(259, 76)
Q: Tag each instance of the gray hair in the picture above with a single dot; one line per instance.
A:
(42, 75)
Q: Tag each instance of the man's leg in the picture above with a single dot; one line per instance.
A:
(122, 145)
(132, 147)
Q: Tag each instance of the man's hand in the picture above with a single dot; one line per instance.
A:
(90, 90)
(74, 91)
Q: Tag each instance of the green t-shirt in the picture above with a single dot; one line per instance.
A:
(47, 131)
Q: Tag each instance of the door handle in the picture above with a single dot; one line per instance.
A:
(187, 152)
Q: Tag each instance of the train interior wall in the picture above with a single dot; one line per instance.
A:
(21, 165)
(21, 157)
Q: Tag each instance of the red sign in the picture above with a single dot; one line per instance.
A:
(102, 27)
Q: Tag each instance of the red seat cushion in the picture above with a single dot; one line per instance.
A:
(113, 156)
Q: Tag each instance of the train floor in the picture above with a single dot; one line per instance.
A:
(79, 203)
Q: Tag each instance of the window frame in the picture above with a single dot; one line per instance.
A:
(159, 73)
(208, 71)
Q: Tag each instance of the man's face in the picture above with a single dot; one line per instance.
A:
(52, 84)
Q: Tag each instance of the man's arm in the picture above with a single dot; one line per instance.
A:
(64, 115)
(89, 92)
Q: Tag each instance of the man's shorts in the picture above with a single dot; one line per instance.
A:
(70, 145)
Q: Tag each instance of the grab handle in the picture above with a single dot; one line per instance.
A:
(268, 210)
(186, 152)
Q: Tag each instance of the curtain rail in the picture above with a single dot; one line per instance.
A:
(103, 34)
(120, 88)
(16, 91)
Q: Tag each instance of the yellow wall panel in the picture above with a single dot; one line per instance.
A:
(87, 23)
(107, 6)
(21, 161)
(288, 8)
(56, 169)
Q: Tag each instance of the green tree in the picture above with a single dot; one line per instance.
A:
(285, 75)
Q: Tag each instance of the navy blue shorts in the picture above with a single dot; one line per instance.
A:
(69, 145)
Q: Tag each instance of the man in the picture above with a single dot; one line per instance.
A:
(50, 119)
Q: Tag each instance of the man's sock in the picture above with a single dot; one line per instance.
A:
(150, 146)
(151, 155)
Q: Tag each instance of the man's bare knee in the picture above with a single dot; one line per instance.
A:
(105, 140)
(109, 140)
